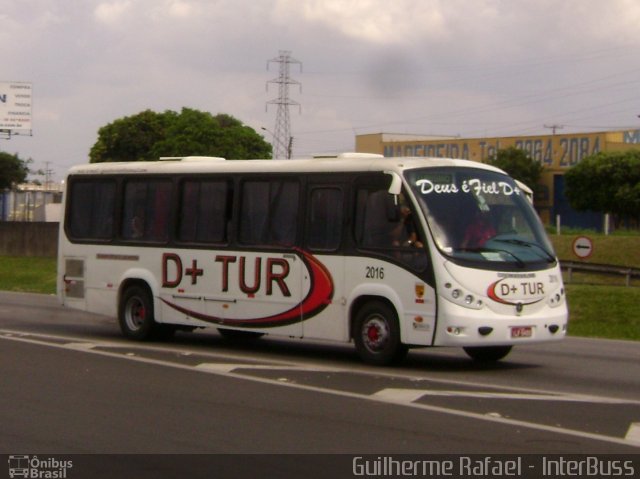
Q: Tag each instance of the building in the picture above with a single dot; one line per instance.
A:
(30, 202)
(557, 153)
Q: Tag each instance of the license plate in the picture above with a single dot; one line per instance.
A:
(521, 332)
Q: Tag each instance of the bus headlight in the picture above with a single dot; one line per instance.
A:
(556, 299)
(463, 298)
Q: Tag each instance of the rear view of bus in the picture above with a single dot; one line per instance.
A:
(498, 281)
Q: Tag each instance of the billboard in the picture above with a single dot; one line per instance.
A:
(15, 106)
(556, 152)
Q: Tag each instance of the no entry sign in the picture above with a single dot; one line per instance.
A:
(582, 247)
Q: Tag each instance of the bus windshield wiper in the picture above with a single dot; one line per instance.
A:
(519, 262)
(550, 258)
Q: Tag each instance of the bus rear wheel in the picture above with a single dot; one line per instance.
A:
(487, 353)
(376, 334)
(135, 314)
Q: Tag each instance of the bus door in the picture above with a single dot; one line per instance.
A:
(323, 276)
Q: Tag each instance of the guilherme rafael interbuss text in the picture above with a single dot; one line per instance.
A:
(493, 467)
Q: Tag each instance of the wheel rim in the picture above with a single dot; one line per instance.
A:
(375, 334)
(135, 314)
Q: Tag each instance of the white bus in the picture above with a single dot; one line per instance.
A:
(390, 253)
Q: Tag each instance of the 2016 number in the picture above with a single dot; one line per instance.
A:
(374, 272)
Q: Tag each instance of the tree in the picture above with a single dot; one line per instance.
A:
(130, 138)
(149, 135)
(12, 170)
(519, 165)
(607, 182)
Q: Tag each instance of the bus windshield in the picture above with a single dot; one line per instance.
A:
(481, 217)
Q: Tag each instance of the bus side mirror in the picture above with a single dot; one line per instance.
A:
(396, 183)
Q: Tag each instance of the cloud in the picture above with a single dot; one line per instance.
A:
(111, 13)
(179, 9)
(380, 23)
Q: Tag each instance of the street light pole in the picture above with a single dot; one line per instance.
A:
(288, 147)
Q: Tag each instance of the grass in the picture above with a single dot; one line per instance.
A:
(601, 311)
(599, 306)
(28, 274)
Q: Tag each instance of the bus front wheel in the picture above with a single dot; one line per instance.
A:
(377, 334)
(135, 313)
(487, 353)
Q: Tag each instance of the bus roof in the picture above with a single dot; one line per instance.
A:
(345, 163)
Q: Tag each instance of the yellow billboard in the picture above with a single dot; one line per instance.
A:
(552, 151)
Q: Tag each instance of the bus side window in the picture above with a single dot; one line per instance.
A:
(204, 211)
(325, 219)
(146, 210)
(92, 209)
(377, 219)
(386, 224)
(269, 213)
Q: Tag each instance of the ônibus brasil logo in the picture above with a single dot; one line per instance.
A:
(37, 467)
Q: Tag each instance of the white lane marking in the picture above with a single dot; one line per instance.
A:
(216, 367)
(229, 367)
(400, 396)
(633, 434)
(80, 346)
(310, 366)
(366, 397)
(149, 347)
(409, 395)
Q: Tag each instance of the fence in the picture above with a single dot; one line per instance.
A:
(628, 273)
(28, 238)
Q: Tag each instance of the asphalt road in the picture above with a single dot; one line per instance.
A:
(71, 385)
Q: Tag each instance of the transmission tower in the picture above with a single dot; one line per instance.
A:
(282, 139)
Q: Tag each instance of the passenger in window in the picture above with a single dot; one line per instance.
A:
(405, 233)
(137, 223)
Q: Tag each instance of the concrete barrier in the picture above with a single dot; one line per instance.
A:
(28, 238)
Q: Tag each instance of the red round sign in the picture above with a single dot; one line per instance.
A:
(582, 247)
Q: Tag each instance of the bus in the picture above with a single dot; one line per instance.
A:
(387, 253)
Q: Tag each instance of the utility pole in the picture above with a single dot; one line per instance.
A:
(554, 127)
(47, 176)
(282, 139)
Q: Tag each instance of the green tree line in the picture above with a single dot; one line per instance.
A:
(149, 135)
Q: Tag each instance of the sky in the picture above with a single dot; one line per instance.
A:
(469, 68)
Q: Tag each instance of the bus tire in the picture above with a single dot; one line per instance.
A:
(135, 314)
(487, 353)
(376, 334)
